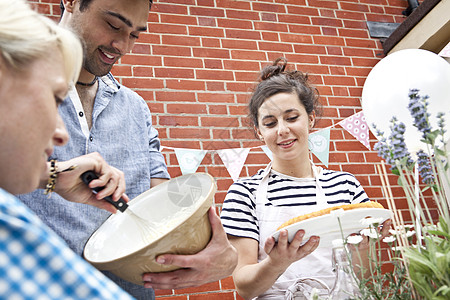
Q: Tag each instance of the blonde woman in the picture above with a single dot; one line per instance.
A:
(38, 62)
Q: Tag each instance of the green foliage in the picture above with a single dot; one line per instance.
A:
(429, 266)
(422, 269)
(387, 285)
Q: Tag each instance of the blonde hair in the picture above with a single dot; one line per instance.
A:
(26, 36)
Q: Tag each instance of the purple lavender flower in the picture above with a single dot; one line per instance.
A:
(418, 108)
(384, 152)
(425, 171)
(396, 148)
(398, 145)
(381, 146)
(441, 125)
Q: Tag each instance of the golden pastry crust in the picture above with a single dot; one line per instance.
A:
(369, 204)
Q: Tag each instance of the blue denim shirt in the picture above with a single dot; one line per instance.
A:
(37, 264)
(122, 133)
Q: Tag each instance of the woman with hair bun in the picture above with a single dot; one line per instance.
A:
(283, 109)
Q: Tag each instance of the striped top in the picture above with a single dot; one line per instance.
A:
(239, 208)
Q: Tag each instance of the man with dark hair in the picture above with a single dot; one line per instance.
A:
(84, 4)
(104, 116)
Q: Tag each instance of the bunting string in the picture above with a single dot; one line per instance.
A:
(234, 158)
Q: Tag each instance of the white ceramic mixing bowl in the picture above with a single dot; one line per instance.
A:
(171, 218)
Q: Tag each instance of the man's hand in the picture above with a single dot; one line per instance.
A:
(71, 188)
(213, 263)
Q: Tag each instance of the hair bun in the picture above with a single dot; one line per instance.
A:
(278, 67)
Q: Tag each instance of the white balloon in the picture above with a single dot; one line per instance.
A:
(385, 91)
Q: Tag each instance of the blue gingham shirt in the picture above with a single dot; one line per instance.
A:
(123, 134)
(36, 264)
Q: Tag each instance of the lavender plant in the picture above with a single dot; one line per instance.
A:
(427, 259)
(418, 253)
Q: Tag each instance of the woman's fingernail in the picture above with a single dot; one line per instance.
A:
(160, 260)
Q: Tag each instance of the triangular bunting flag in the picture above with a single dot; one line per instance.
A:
(445, 52)
(189, 159)
(267, 151)
(234, 160)
(356, 125)
(319, 144)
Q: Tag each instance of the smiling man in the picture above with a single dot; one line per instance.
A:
(108, 30)
(101, 115)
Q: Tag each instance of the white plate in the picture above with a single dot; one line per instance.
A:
(327, 226)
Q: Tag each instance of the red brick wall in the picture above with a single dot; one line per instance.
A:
(199, 59)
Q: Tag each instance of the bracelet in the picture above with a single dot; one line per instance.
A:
(51, 183)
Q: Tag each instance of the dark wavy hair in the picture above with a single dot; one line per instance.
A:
(275, 79)
(85, 3)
